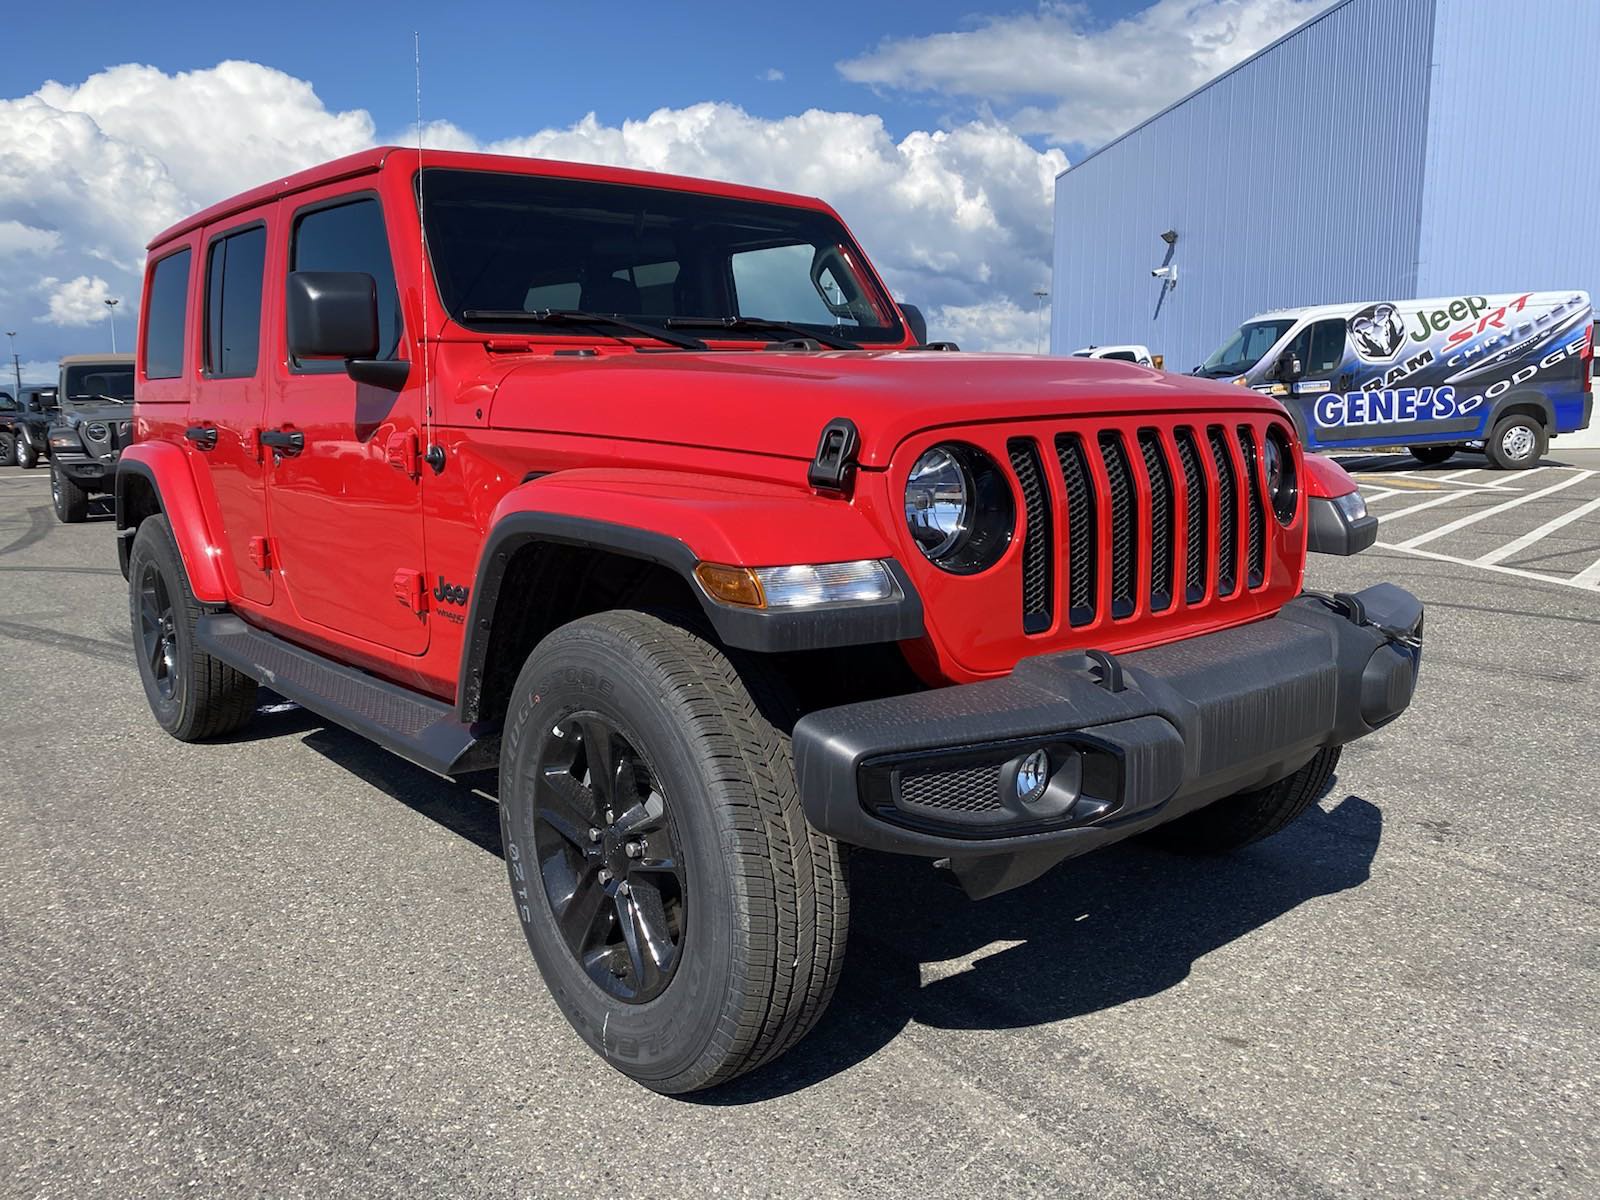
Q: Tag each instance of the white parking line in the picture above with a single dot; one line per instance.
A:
(1485, 513)
(1586, 581)
(1372, 494)
(1415, 508)
(1534, 535)
(1589, 577)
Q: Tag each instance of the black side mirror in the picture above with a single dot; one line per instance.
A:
(1289, 368)
(334, 314)
(917, 322)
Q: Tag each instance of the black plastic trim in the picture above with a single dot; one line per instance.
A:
(761, 630)
(1195, 721)
(1331, 532)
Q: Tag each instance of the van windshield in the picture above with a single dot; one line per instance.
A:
(1244, 348)
(506, 248)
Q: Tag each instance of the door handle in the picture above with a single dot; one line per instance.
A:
(283, 442)
(204, 437)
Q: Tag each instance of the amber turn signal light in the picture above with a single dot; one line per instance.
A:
(731, 585)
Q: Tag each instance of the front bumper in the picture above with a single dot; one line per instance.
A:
(1133, 741)
(91, 474)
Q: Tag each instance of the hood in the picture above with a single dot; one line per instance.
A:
(773, 402)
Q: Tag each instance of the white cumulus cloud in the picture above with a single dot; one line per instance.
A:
(957, 219)
(1052, 72)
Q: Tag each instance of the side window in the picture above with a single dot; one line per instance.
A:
(235, 269)
(1327, 348)
(349, 237)
(164, 317)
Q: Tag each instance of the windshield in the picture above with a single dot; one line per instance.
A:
(1244, 348)
(100, 381)
(509, 244)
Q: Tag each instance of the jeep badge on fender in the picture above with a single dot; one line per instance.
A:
(733, 570)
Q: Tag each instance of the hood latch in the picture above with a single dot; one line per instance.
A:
(831, 469)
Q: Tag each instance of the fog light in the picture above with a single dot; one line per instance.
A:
(1033, 776)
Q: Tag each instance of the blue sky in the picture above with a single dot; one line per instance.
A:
(499, 69)
(936, 128)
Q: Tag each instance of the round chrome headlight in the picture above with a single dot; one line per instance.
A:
(959, 508)
(938, 502)
(1277, 461)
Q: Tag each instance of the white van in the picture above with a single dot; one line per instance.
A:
(1510, 371)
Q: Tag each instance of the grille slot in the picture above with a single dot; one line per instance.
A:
(1124, 525)
(1227, 514)
(1162, 532)
(961, 790)
(1256, 550)
(1038, 537)
(1080, 532)
(1194, 508)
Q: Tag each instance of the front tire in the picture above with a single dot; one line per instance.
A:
(71, 501)
(192, 695)
(1236, 821)
(27, 456)
(631, 740)
(1517, 442)
(1432, 456)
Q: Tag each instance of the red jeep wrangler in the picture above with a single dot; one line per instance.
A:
(643, 491)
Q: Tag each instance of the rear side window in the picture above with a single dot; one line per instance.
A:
(235, 269)
(163, 322)
(349, 237)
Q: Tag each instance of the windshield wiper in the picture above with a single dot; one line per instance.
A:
(760, 323)
(574, 316)
(102, 396)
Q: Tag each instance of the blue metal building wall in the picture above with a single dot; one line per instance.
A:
(1513, 174)
(1296, 178)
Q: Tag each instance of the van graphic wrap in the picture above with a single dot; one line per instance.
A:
(1453, 363)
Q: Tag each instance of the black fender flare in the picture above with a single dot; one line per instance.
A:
(759, 630)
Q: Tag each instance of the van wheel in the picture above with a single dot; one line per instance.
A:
(71, 501)
(1517, 442)
(1432, 456)
(687, 920)
(192, 695)
(1236, 821)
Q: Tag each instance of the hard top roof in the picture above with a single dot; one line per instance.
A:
(73, 360)
(370, 161)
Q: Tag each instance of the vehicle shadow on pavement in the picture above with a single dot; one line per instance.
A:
(1098, 931)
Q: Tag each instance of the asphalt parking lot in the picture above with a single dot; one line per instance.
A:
(285, 965)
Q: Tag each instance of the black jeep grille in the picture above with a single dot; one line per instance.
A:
(1176, 502)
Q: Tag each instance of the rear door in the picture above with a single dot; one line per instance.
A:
(347, 508)
(230, 400)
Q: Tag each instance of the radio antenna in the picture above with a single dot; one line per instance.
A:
(435, 456)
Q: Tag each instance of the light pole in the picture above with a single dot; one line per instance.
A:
(111, 305)
(16, 363)
(1040, 295)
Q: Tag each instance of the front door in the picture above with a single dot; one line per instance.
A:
(346, 499)
(1320, 349)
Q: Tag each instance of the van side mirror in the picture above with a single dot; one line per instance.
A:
(1289, 368)
(916, 322)
(334, 314)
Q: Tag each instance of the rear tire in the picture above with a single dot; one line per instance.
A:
(71, 501)
(192, 695)
(1237, 821)
(1432, 456)
(8, 449)
(749, 935)
(1517, 442)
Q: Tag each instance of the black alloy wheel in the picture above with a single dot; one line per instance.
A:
(608, 857)
(158, 631)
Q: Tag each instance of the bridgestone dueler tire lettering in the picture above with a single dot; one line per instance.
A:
(1237, 821)
(211, 698)
(766, 897)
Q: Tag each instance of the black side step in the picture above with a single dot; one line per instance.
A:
(414, 726)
